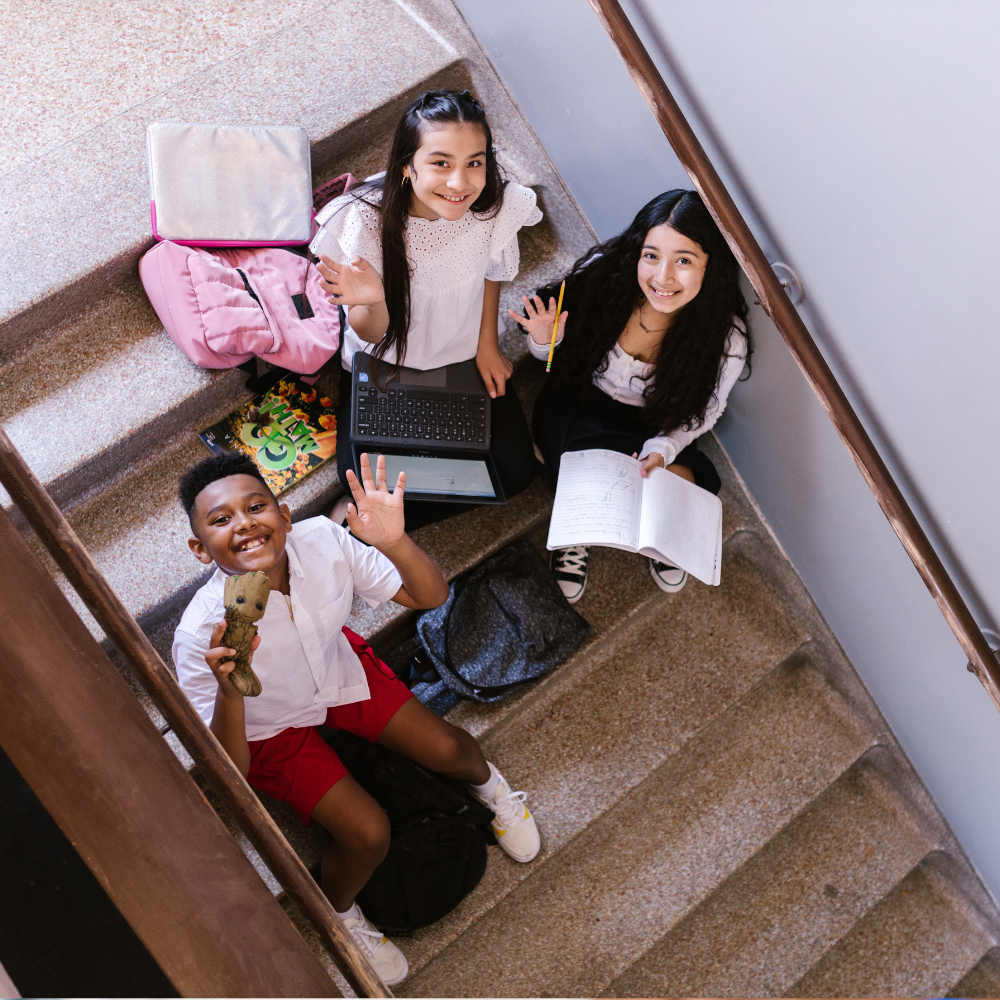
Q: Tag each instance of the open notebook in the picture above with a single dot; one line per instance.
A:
(602, 499)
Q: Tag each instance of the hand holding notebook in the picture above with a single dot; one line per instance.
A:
(602, 499)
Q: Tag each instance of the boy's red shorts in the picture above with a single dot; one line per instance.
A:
(298, 767)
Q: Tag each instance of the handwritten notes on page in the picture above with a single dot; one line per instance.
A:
(598, 499)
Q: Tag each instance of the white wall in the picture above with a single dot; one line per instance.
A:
(864, 133)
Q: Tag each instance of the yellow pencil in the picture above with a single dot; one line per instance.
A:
(555, 328)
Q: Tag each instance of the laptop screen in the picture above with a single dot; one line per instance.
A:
(440, 475)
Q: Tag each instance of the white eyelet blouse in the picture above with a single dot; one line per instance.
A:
(449, 261)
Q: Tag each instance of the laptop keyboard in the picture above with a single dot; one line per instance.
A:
(421, 414)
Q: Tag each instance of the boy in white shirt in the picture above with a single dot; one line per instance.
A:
(316, 672)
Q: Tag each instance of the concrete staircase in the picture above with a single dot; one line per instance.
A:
(723, 809)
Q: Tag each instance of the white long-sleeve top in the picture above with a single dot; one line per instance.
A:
(450, 262)
(625, 379)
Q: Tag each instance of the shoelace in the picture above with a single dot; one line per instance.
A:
(506, 808)
(572, 560)
(364, 928)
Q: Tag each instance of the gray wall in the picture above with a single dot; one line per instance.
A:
(863, 136)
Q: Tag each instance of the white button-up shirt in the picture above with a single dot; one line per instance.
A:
(306, 664)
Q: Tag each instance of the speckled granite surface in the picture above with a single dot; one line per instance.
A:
(694, 767)
(84, 203)
(919, 940)
(627, 877)
(982, 980)
(776, 915)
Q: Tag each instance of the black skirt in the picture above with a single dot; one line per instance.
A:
(595, 420)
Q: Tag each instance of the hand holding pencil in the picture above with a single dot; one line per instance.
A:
(544, 326)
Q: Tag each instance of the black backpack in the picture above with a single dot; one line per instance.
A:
(437, 853)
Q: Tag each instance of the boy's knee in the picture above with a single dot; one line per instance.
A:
(455, 748)
(369, 835)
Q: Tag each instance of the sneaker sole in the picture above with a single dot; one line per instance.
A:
(573, 600)
(667, 588)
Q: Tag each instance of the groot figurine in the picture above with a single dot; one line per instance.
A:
(245, 597)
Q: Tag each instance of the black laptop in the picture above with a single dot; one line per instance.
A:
(434, 425)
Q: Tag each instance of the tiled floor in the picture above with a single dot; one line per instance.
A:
(70, 66)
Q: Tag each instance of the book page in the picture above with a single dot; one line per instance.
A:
(598, 497)
(682, 523)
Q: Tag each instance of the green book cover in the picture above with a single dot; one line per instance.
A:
(288, 432)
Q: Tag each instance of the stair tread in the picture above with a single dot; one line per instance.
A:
(917, 941)
(982, 980)
(97, 184)
(614, 713)
(808, 886)
(136, 531)
(617, 886)
(617, 588)
(114, 383)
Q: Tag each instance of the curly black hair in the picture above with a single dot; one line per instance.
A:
(602, 293)
(207, 471)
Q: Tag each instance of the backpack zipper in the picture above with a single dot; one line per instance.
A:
(253, 295)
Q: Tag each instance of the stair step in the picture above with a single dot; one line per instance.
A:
(103, 409)
(982, 980)
(775, 916)
(617, 710)
(136, 530)
(96, 185)
(616, 887)
(618, 586)
(917, 941)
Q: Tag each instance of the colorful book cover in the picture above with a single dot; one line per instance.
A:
(289, 431)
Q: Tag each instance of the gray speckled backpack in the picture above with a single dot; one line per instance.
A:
(505, 624)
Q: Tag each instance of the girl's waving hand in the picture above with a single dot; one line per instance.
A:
(540, 320)
(356, 283)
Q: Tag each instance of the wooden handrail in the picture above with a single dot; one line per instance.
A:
(225, 779)
(785, 317)
(156, 847)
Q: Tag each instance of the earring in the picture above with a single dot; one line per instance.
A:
(402, 183)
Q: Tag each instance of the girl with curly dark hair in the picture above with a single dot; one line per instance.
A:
(427, 243)
(654, 338)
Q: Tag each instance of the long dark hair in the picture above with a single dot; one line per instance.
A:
(442, 107)
(602, 292)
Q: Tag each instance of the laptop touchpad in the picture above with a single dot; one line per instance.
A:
(435, 378)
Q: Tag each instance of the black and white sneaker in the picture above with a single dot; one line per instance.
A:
(668, 578)
(569, 566)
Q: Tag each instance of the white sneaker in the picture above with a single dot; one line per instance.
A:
(390, 963)
(569, 567)
(514, 826)
(668, 578)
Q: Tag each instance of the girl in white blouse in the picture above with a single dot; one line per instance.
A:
(429, 241)
(656, 336)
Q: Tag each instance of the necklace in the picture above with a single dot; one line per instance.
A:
(638, 318)
(288, 601)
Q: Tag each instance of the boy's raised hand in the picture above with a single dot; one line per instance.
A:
(376, 516)
(538, 324)
(220, 659)
(353, 284)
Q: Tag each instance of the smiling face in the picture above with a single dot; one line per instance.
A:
(671, 269)
(239, 525)
(448, 172)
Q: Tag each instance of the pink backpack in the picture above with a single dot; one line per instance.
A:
(222, 307)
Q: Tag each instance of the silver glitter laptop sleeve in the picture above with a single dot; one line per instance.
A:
(230, 185)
